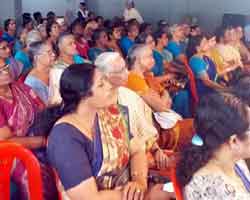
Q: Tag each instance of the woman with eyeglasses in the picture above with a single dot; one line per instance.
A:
(43, 57)
(18, 106)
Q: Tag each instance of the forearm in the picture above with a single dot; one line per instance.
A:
(139, 168)
(29, 142)
(213, 85)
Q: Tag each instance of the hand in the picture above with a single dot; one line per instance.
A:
(161, 159)
(133, 191)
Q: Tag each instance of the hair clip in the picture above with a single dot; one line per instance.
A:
(197, 140)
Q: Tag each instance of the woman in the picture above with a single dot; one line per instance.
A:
(21, 54)
(18, 106)
(202, 66)
(213, 169)
(128, 41)
(100, 39)
(158, 76)
(162, 56)
(114, 37)
(82, 45)
(90, 126)
(53, 33)
(43, 58)
(9, 34)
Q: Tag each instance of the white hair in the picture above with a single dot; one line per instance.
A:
(104, 62)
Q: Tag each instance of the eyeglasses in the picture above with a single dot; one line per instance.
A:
(4, 48)
(4, 68)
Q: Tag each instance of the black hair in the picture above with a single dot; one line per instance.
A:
(76, 22)
(218, 117)
(26, 20)
(144, 27)
(99, 17)
(51, 14)
(158, 35)
(242, 89)
(38, 17)
(193, 43)
(141, 38)
(131, 23)
(97, 33)
(49, 25)
(75, 84)
(83, 4)
(7, 23)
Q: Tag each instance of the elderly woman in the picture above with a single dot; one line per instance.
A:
(18, 106)
(67, 56)
(22, 54)
(43, 58)
(213, 168)
(90, 126)
(140, 114)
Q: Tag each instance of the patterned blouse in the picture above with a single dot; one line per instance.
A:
(214, 187)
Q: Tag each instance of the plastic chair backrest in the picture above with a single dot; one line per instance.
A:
(177, 187)
(191, 77)
(10, 151)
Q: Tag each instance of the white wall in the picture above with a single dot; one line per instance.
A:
(209, 12)
(44, 6)
(7, 9)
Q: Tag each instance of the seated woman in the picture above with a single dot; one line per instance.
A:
(53, 32)
(82, 46)
(92, 128)
(160, 75)
(18, 106)
(128, 41)
(202, 66)
(230, 55)
(43, 58)
(115, 36)
(21, 55)
(100, 39)
(214, 167)
(140, 60)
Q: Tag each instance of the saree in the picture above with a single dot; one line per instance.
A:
(18, 115)
(111, 154)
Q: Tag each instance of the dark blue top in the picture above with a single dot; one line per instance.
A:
(8, 38)
(70, 152)
(201, 66)
(126, 44)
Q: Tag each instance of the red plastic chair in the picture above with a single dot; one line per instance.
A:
(8, 152)
(177, 187)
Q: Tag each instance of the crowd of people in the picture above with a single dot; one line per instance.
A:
(104, 102)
